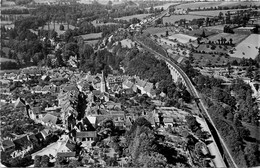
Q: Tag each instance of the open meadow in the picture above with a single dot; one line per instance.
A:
(139, 16)
(57, 28)
(202, 5)
(212, 12)
(236, 38)
(165, 6)
(211, 59)
(198, 32)
(248, 48)
(173, 18)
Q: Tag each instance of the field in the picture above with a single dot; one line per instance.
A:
(91, 36)
(155, 30)
(139, 16)
(195, 5)
(165, 6)
(210, 59)
(182, 38)
(102, 24)
(212, 12)
(6, 60)
(237, 38)
(202, 5)
(248, 48)
(219, 48)
(173, 18)
(57, 28)
(44, 1)
(198, 32)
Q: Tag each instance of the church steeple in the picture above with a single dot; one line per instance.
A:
(103, 83)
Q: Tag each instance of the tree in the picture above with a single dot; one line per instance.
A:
(70, 49)
(252, 154)
(61, 27)
(37, 161)
(167, 33)
(45, 160)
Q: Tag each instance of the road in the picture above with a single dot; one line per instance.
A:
(194, 93)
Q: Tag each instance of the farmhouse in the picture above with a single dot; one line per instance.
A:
(243, 30)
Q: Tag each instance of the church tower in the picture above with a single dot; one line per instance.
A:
(103, 83)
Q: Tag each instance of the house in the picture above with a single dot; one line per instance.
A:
(140, 84)
(35, 112)
(149, 90)
(92, 120)
(127, 84)
(66, 154)
(8, 145)
(113, 106)
(50, 119)
(243, 30)
(19, 104)
(22, 143)
(86, 135)
(45, 133)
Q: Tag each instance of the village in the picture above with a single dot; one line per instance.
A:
(92, 94)
(86, 110)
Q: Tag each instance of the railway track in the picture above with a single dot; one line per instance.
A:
(194, 92)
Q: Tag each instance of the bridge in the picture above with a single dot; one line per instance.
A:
(179, 75)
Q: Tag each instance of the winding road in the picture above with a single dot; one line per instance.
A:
(196, 95)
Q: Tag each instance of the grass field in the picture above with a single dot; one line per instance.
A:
(45, 1)
(237, 38)
(182, 38)
(57, 28)
(219, 48)
(195, 5)
(173, 18)
(155, 30)
(6, 60)
(212, 12)
(202, 5)
(206, 59)
(139, 16)
(102, 24)
(198, 32)
(248, 48)
(165, 6)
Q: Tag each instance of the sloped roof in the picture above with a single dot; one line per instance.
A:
(140, 82)
(36, 110)
(70, 146)
(19, 103)
(45, 132)
(148, 87)
(66, 154)
(128, 83)
(86, 134)
(23, 141)
(7, 144)
(48, 118)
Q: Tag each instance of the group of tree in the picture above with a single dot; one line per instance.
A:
(143, 147)
(229, 111)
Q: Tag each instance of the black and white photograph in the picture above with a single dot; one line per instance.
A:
(130, 83)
